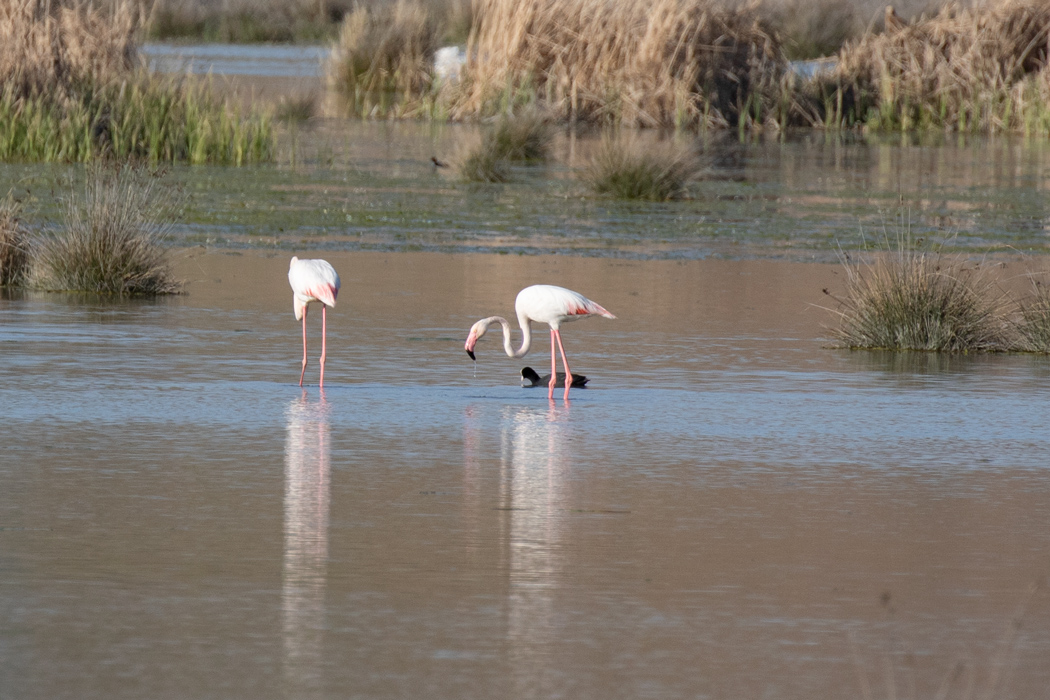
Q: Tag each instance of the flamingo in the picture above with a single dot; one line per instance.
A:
(543, 303)
(531, 378)
(313, 280)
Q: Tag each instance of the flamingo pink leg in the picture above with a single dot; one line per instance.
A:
(303, 373)
(324, 341)
(565, 362)
(554, 368)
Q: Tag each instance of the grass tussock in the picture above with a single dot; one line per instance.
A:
(912, 299)
(636, 62)
(966, 68)
(484, 165)
(625, 169)
(525, 138)
(72, 89)
(296, 108)
(382, 63)
(1033, 325)
(110, 242)
(14, 244)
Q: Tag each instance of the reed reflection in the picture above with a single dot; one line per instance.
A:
(307, 457)
(535, 468)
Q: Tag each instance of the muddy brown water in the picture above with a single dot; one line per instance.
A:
(729, 510)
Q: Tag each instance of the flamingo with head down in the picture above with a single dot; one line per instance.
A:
(543, 303)
(313, 280)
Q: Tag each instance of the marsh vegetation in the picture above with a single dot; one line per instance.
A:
(73, 89)
(626, 169)
(523, 139)
(917, 299)
(14, 244)
(910, 295)
(110, 240)
(708, 64)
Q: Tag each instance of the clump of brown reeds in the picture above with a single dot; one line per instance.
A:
(918, 299)
(110, 241)
(382, 63)
(814, 28)
(967, 68)
(627, 169)
(14, 244)
(1033, 325)
(55, 48)
(635, 62)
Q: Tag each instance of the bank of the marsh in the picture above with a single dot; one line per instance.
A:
(73, 88)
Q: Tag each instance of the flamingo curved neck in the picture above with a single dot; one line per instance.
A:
(508, 347)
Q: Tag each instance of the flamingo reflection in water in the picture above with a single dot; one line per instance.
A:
(307, 470)
(535, 471)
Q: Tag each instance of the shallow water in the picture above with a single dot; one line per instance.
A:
(371, 186)
(271, 60)
(728, 510)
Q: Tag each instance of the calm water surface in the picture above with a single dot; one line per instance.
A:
(729, 511)
(371, 186)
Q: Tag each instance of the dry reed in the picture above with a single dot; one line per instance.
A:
(14, 244)
(111, 239)
(1033, 326)
(382, 63)
(966, 68)
(55, 48)
(636, 62)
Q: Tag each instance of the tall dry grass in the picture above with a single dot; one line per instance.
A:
(982, 68)
(55, 48)
(1033, 324)
(72, 89)
(633, 62)
(382, 64)
(14, 244)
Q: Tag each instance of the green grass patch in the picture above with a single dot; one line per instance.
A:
(154, 119)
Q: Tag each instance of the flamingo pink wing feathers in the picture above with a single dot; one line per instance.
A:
(312, 280)
(547, 303)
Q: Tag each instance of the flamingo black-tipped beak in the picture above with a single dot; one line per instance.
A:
(471, 353)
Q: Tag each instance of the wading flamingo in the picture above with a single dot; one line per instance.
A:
(531, 378)
(543, 303)
(313, 280)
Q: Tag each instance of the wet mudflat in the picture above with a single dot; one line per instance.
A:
(729, 510)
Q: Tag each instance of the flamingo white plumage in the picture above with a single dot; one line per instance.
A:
(543, 303)
(313, 280)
